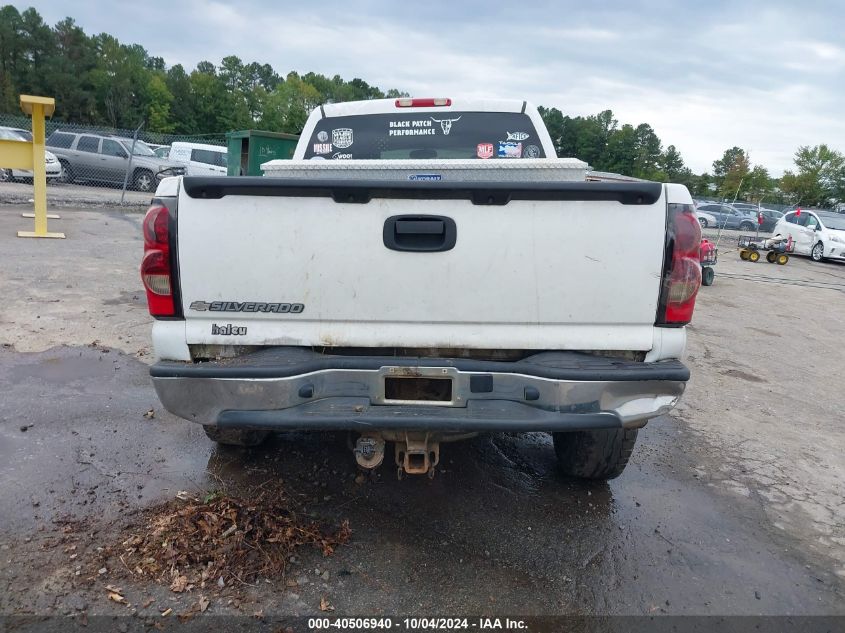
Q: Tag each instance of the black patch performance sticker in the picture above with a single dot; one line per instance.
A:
(413, 127)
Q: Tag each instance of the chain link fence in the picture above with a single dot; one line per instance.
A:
(100, 166)
(104, 167)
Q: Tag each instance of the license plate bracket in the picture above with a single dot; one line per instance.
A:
(418, 385)
(417, 389)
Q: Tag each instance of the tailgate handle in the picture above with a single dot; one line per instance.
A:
(423, 227)
(420, 233)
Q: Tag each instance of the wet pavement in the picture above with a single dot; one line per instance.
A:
(496, 528)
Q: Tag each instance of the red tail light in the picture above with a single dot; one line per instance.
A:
(406, 102)
(156, 270)
(681, 266)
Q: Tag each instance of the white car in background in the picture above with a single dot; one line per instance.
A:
(162, 151)
(705, 219)
(53, 166)
(200, 159)
(819, 234)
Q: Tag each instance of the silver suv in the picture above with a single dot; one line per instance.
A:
(100, 158)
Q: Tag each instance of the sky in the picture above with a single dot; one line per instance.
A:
(766, 75)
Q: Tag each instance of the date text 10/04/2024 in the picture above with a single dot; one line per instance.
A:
(417, 624)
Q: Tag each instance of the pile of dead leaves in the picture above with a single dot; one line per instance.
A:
(222, 540)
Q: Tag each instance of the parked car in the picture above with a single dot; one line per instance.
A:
(52, 165)
(770, 219)
(729, 217)
(770, 216)
(705, 219)
(819, 234)
(745, 206)
(200, 159)
(159, 150)
(104, 158)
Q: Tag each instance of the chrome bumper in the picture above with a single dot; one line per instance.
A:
(550, 391)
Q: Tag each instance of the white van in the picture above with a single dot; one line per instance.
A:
(199, 159)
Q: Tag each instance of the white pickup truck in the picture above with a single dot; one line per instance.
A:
(423, 270)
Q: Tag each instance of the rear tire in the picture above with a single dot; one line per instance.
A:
(771, 256)
(6, 175)
(746, 226)
(707, 276)
(600, 454)
(235, 437)
(743, 254)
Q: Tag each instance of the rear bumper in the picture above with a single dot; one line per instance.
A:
(51, 170)
(296, 388)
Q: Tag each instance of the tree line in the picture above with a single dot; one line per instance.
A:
(97, 80)
(818, 178)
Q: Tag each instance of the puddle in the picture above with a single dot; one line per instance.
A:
(70, 367)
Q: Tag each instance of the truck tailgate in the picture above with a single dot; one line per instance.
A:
(565, 266)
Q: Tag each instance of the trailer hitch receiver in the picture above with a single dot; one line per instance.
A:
(416, 454)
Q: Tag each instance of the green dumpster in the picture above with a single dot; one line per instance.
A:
(248, 149)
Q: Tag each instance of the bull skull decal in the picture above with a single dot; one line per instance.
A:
(445, 124)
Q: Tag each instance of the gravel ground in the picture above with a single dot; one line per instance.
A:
(731, 505)
(72, 195)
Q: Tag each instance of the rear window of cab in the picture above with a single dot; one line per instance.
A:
(418, 135)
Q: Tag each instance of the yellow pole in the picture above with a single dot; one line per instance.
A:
(35, 107)
(39, 180)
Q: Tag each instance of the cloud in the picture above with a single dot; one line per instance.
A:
(765, 75)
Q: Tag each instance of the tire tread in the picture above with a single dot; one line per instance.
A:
(598, 454)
